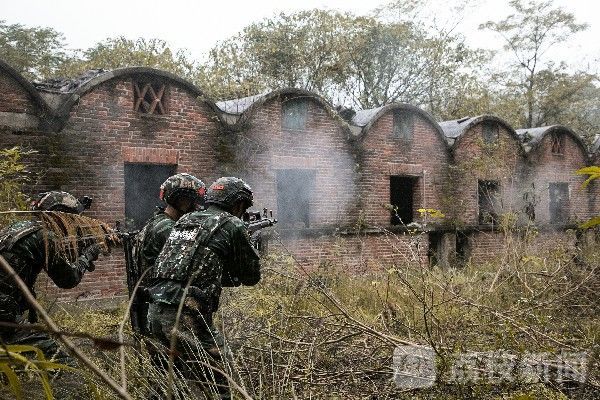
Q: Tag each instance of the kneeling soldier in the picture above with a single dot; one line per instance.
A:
(29, 250)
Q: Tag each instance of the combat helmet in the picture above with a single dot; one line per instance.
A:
(182, 185)
(226, 191)
(60, 201)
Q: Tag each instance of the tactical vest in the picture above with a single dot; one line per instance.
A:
(15, 232)
(190, 234)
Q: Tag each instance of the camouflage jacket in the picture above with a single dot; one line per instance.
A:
(23, 246)
(151, 239)
(209, 249)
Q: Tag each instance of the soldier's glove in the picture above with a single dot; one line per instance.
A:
(91, 254)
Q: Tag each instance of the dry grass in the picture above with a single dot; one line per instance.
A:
(325, 334)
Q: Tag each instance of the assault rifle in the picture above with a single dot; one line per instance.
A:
(139, 306)
(256, 221)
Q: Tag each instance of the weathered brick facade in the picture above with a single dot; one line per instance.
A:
(329, 174)
(545, 167)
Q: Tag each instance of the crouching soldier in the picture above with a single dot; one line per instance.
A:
(205, 251)
(29, 250)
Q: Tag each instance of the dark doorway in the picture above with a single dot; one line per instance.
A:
(142, 186)
(294, 190)
(463, 248)
(435, 247)
(559, 202)
(402, 190)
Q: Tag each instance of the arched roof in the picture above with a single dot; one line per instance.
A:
(454, 130)
(532, 137)
(243, 108)
(27, 86)
(78, 87)
(366, 118)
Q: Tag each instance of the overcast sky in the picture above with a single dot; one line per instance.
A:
(198, 25)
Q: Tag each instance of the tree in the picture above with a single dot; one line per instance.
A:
(36, 53)
(529, 33)
(361, 61)
(121, 52)
(301, 50)
(570, 100)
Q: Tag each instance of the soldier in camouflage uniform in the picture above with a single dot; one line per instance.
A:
(29, 251)
(205, 251)
(182, 193)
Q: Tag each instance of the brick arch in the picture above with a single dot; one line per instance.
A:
(260, 100)
(65, 108)
(486, 118)
(40, 104)
(542, 132)
(403, 107)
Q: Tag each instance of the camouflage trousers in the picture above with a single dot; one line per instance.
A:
(198, 345)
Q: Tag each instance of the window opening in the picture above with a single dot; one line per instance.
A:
(463, 248)
(149, 97)
(294, 190)
(403, 125)
(558, 144)
(435, 247)
(489, 202)
(490, 133)
(294, 114)
(529, 208)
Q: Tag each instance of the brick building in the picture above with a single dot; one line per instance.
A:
(330, 175)
(554, 191)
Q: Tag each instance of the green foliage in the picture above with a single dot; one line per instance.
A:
(16, 360)
(36, 52)
(302, 50)
(358, 60)
(13, 174)
(392, 55)
(593, 173)
(535, 91)
(121, 52)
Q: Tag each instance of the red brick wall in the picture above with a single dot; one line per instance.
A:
(545, 168)
(322, 147)
(102, 133)
(594, 189)
(475, 161)
(425, 157)
(495, 247)
(14, 98)
(355, 254)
